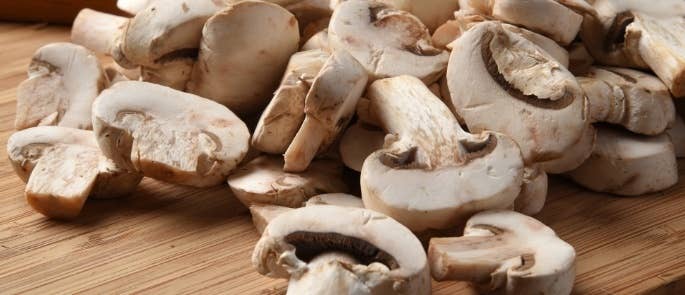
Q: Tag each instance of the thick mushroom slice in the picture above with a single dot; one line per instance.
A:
(64, 80)
(358, 142)
(580, 60)
(431, 174)
(502, 82)
(507, 253)
(284, 115)
(242, 74)
(386, 41)
(628, 164)
(533, 191)
(338, 250)
(677, 135)
(169, 135)
(63, 167)
(133, 6)
(432, 13)
(638, 101)
(263, 181)
(317, 41)
(97, 31)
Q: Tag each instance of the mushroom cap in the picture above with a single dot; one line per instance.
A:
(387, 42)
(431, 174)
(263, 180)
(432, 13)
(628, 164)
(64, 79)
(242, 74)
(520, 91)
(508, 252)
(169, 135)
(369, 237)
(358, 142)
(677, 135)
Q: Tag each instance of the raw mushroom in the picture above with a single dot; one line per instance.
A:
(263, 181)
(169, 135)
(114, 76)
(502, 82)
(432, 13)
(638, 101)
(318, 41)
(580, 60)
(677, 135)
(63, 167)
(242, 74)
(97, 31)
(64, 79)
(505, 252)
(386, 41)
(337, 250)
(358, 142)
(133, 6)
(628, 164)
(431, 174)
(575, 156)
(533, 191)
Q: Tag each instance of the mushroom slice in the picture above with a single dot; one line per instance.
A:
(63, 167)
(283, 117)
(64, 79)
(328, 108)
(432, 174)
(318, 41)
(580, 60)
(533, 192)
(358, 142)
(243, 73)
(169, 135)
(338, 250)
(133, 6)
(677, 135)
(574, 156)
(638, 101)
(628, 164)
(263, 181)
(386, 41)
(97, 31)
(505, 252)
(432, 13)
(502, 82)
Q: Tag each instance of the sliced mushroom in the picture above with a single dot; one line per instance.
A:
(638, 101)
(97, 31)
(677, 135)
(337, 250)
(358, 142)
(386, 41)
(63, 167)
(502, 82)
(133, 6)
(533, 192)
(114, 76)
(263, 181)
(318, 41)
(575, 156)
(169, 135)
(507, 253)
(431, 174)
(307, 11)
(284, 115)
(314, 28)
(242, 74)
(628, 164)
(64, 79)
(580, 60)
(432, 13)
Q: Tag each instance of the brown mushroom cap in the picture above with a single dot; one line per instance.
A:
(169, 135)
(390, 259)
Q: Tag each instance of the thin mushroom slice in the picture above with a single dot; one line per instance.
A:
(348, 250)
(505, 252)
(263, 181)
(638, 101)
(431, 174)
(63, 167)
(386, 41)
(677, 135)
(169, 135)
(243, 73)
(533, 194)
(64, 80)
(502, 82)
(628, 164)
(358, 142)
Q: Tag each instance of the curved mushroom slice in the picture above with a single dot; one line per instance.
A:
(431, 174)
(628, 164)
(243, 73)
(64, 79)
(432, 13)
(533, 192)
(386, 41)
(638, 101)
(328, 108)
(358, 142)
(263, 181)
(97, 31)
(169, 135)
(380, 256)
(284, 115)
(677, 135)
(505, 252)
(133, 6)
(318, 41)
(502, 82)
(62, 167)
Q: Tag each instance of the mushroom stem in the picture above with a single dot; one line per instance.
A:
(97, 31)
(326, 270)
(303, 148)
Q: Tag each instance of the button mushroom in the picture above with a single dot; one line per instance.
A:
(431, 174)
(336, 250)
(533, 191)
(505, 252)
(169, 135)
(432, 13)
(63, 167)
(358, 142)
(64, 79)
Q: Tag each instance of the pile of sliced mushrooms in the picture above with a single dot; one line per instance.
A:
(448, 115)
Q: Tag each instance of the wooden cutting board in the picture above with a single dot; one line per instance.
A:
(169, 239)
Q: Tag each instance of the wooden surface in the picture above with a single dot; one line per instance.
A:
(168, 239)
(52, 11)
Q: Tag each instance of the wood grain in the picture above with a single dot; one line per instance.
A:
(52, 11)
(169, 239)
